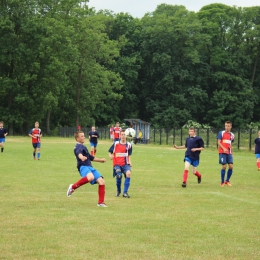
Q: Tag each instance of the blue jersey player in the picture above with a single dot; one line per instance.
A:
(257, 151)
(3, 134)
(93, 139)
(86, 171)
(194, 145)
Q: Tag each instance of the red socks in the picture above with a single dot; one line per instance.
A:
(81, 182)
(185, 176)
(101, 194)
(258, 165)
(197, 174)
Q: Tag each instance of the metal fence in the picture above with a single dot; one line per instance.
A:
(244, 138)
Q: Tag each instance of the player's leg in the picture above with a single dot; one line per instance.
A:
(34, 150)
(187, 163)
(2, 145)
(101, 191)
(258, 161)
(95, 149)
(127, 173)
(118, 172)
(87, 176)
(38, 151)
(223, 162)
(195, 164)
(230, 169)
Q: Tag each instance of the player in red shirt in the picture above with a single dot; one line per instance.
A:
(36, 135)
(225, 139)
(120, 153)
(117, 130)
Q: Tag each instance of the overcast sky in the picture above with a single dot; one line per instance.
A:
(137, 8)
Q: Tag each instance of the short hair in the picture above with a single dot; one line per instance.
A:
(76, 134)
(192, 128)
(122, 131)
(1, 122)
(36, 122)
(228, 122)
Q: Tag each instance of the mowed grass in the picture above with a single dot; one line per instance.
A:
(161, 220)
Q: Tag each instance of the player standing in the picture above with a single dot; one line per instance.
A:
(3, 134)
(111, 132)
(194, 145)
(117, 130)
(120, 153)
(87, 172)
(225, 139)
(93, 139)
(257, 151)
(36, 135)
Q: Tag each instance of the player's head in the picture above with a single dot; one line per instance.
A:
(259, 133)
(93, 128)
(122, 135)
(228, 126)
(80, 137)
(1, 124)
(36, 124)
(117, 124)
(192, 131)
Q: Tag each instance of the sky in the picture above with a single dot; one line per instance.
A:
(138, 8)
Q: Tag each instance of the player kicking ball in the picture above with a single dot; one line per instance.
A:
(87, 172)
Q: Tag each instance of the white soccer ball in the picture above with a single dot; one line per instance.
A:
(130, 132)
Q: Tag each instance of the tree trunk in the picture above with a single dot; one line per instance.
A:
(48, 116)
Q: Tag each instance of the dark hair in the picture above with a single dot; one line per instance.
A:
(228, 122)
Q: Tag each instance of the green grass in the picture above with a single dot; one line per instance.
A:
(161, 220)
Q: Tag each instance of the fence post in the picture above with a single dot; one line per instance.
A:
(181, 136)
(208, 137)
(160, 136)
(173, 139)
(238, 138)
(167, 135)
(250, 139)
(154, 135)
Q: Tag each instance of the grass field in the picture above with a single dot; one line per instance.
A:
(161, 220)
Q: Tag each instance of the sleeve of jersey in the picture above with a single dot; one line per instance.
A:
(130, 150)
(219, 136)
(111, 149)
(201, 142)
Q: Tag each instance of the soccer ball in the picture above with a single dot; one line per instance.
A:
(130, 132)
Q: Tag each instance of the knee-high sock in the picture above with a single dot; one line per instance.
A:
(126, 184)
(101, 193)
(79, 183)
(258, 165)
(229, 173)
(118, 184)
(185, 175)
(197, 174)
(222, 173)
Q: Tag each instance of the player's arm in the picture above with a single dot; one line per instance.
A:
(179, 147)
(102, 160)
(197, 149)
(111, 152)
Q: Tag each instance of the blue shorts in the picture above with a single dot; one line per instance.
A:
(225, 158)
(36, 145)
(257, 155)
(84, 170)
(2, 140)
(93, 144)
(123, 169)
(194, 163)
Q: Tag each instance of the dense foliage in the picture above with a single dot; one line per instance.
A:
(62, 63)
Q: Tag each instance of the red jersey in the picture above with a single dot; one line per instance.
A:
(117, 131)
(226, 140)
(121, 153)
(37, 133)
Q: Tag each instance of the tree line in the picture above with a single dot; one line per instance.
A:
(65, 64)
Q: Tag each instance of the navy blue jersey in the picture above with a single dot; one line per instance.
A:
(193, 142)
(2, 132)
(93, 139)
(80, 148)
(257, 145)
